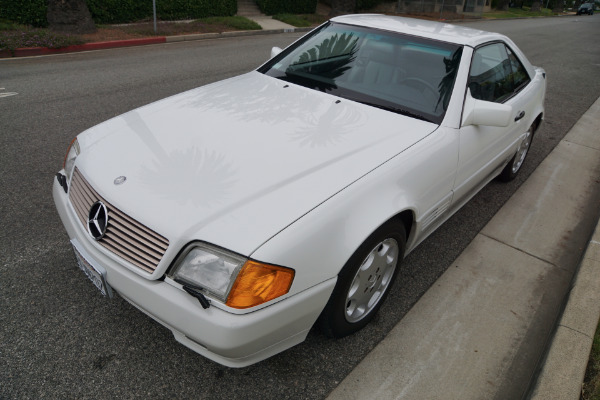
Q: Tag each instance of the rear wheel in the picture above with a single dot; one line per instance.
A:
(364, 282)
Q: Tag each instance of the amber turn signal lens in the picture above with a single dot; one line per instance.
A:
(258, 283)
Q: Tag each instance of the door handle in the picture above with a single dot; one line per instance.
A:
(519, 116)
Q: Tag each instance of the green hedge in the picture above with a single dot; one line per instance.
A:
(26, 12)
(367, 4)
(271, 7)
(33, 12)
(121, 11)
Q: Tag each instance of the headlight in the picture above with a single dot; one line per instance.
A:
(210, 269)
(69, 163)
(230, 278)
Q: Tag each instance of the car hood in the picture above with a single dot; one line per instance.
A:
(235, 162)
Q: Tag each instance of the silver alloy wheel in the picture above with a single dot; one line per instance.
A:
(372, 280)
(522, 151)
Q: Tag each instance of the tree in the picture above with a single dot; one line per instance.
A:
(536, 6)
(339, 7)
(70, 16)
(502, 5)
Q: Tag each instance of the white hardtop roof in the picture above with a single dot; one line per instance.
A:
(417, 27)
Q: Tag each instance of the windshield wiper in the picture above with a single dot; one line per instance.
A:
(396, 110)
(347, 55)
(307, 81)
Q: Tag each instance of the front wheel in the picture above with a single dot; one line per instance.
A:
(514, 166)
(364, 282)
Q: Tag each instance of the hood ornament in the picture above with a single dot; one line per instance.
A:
(120, 180)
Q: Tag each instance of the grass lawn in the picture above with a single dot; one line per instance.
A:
(518, 13)
(301, 20)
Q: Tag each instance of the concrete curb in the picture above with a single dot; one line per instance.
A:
(41, 51)
(563, 370)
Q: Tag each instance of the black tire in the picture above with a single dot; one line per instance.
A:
(343, 314)
(513, 167)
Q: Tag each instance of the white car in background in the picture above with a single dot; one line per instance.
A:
(240, 213)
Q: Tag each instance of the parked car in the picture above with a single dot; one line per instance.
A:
(586, 8)
(241, 213)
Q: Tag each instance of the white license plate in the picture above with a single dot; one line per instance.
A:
(95, 273)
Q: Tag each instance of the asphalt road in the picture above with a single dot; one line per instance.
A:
(59, 338)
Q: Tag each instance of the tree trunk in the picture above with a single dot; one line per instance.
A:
(502, 5)
(70, 16)
(339, 7)
(536, 6)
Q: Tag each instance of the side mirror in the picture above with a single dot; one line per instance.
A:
(275, 51)
(480, 112)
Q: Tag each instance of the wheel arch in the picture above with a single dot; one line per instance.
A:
(316, 258)
(537, 122)
(407, 218)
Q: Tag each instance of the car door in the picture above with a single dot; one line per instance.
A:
(496, 75)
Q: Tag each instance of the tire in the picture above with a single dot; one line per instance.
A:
(364, 282)
(513, 167)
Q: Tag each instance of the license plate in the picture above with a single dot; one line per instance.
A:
(92, 270)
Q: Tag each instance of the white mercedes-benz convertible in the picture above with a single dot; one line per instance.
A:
(241, 213)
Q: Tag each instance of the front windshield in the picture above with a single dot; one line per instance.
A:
(400, 73)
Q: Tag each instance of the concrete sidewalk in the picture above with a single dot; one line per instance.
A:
(481, 331)
(270, 24)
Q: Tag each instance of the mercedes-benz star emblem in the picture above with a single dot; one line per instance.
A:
(97, 220)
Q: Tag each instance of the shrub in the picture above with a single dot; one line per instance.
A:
(367, 4)
(271, 7)
(121, 11)
(26, 12)
(33, 12)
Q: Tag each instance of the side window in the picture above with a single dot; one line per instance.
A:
(520, 76)
(491, 77)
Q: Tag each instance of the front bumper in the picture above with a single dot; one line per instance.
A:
(234, 340)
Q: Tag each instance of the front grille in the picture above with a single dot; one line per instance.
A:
(124, 236)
